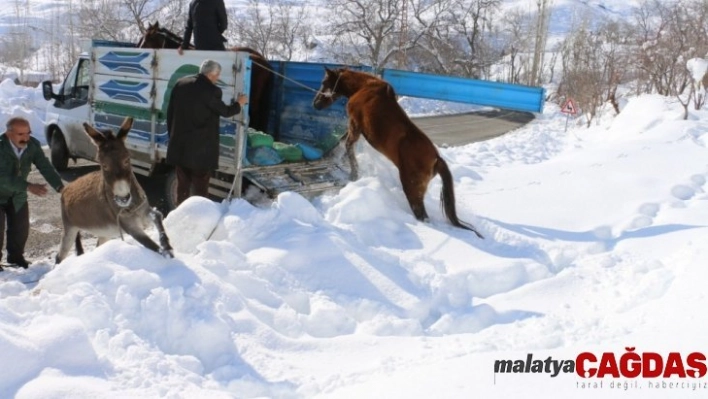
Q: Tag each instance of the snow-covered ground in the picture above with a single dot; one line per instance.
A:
(596, 241)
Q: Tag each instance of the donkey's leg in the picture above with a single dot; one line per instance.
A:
(69, 237)
(135, 230)
(102, 240)
(156, 217)
(353, 134)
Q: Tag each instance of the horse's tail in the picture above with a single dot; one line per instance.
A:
(447, 197)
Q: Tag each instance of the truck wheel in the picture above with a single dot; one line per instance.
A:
(171, 190)
(59, 153)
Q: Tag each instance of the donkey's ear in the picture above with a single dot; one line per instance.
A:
(125, 128)
(95, 135)
(328, 71)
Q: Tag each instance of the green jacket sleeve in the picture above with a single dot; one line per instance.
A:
(47, 170)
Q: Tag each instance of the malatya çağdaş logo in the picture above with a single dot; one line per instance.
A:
(630, 364)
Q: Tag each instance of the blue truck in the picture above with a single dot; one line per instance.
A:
(114, 80)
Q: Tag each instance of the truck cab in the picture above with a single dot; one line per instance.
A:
(70, 109)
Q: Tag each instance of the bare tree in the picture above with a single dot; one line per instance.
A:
(254, 28)
(365, 30)
(15, 46)
(125, 20)
(615, 56)
(429, 49)
(276, 28)
(459, 42)
(471, 21)
(422, 44)
(666, 37)
(515, 36)
(582, 78)
(60, 40)
(293, 32)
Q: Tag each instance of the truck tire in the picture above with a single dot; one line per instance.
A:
(171, 190)
(59, 154)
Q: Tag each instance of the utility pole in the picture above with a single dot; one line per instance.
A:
(403, 35)
(72, 30)
(540, 47)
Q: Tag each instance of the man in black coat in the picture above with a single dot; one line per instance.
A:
(207, 20)
(193, 125)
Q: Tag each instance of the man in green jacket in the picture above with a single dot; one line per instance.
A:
(18, 151)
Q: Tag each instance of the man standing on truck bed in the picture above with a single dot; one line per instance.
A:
(18, 151)
(193, 125)
(207, 19)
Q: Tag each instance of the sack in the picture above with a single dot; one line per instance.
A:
(263, 156)
(309, 152)
(288, 152)
(330, 141)
(259, 139)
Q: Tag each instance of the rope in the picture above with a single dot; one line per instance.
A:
(125, 210)
(120, 230)
(334, 89)
(165, 35)
(304, 86)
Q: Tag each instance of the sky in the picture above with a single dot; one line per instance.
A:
(596, 240)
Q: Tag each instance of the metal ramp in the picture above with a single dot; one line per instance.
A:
(306, 178)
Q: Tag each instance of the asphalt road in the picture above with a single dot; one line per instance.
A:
(461, 129)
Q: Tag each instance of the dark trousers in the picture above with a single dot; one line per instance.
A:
(189, 180)
(18, 226)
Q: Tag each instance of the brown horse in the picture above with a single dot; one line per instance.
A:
(375, 113)
(109, 201)
(157, 37)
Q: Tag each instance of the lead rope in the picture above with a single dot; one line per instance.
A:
(304, 86)
(143, 199)
(120, 230)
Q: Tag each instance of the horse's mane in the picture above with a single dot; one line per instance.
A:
(370, 78)
(171, 34)
(154, 30)
(247, 50)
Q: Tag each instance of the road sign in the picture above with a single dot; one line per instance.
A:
(569, 107)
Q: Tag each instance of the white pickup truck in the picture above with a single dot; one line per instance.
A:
(111, 82)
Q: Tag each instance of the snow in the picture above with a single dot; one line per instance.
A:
(26, 102)
(698, 68)
(595, 241)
